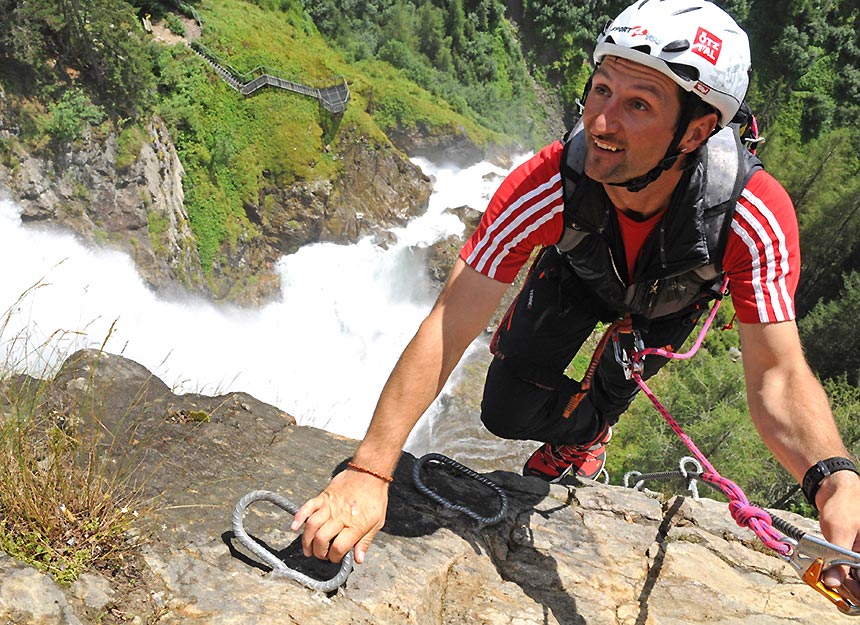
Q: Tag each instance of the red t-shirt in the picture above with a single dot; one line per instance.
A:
(633, 235)
(762, 256)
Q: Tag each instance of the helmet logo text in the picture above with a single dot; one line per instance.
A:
(701, 88)
(634, 31)
(707, 46)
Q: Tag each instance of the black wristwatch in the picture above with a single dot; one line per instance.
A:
(820, 470)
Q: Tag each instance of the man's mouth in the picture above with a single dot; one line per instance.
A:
(606, 146)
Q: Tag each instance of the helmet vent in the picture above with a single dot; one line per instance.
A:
(687, 10)
(679, 45)
(686, 72)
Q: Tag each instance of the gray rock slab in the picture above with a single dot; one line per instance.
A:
(562, 555)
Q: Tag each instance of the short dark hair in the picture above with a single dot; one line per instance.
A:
(693, 107)
(702, 108)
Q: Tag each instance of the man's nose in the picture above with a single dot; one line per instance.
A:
(605, 117)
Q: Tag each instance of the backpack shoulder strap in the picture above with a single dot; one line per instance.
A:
(729, 167)
(583, 210)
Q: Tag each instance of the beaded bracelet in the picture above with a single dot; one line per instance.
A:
(357, 467)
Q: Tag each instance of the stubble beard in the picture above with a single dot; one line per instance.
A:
(604, 173)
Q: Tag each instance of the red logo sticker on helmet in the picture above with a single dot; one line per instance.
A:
(702, 88)
(707, 46)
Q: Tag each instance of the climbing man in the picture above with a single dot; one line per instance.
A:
(640, 213)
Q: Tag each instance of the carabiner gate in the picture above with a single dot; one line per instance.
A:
(626, 358)
(812, 556)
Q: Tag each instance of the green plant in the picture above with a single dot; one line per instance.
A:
(64, 505)
(175, 25)
(198, 416)
(60, 509)
(68, 116)
(101, 236)
(128, 146)
(7, 153)
(157, 225)
(81, 192)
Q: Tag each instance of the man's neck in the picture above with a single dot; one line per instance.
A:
(654, 198)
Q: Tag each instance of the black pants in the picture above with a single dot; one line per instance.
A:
(526, 391)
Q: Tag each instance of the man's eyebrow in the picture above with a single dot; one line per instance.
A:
(647, 86)
(658, 93)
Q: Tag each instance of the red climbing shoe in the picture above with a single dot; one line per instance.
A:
(553, 462)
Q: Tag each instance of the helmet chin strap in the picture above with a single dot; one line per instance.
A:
(640, 182)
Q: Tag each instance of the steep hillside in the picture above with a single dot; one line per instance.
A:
(262, 175)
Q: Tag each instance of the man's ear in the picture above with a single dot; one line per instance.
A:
(698, 131)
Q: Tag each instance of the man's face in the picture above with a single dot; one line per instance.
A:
(630, 117)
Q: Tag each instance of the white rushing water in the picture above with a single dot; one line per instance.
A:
(322, 352)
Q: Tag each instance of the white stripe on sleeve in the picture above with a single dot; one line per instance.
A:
(760, 304)
(492, 241)
(780, 284)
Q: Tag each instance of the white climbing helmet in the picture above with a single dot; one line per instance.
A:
(693, 42)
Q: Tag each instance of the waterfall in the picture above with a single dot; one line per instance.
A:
(321, 352)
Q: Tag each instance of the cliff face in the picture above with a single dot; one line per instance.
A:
(574, 555)
(140, 209)
(377, 189)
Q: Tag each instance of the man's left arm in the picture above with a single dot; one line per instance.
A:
(792, 415)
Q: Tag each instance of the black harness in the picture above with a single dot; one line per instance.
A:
(680, 262)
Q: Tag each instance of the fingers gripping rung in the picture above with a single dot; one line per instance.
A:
(279, 568)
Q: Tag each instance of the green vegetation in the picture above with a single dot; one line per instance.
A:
(227, 142)
(464, 52)
(69, 115)
(128, 146)
(559, 39)
(175, 25)
(62, 508)
(832, 346)
(65, 507)
(99, 38)
(232, 148)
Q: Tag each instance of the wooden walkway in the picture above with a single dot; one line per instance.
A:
(334, 98)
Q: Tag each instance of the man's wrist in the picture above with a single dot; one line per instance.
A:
(820, 471)
(367, 470)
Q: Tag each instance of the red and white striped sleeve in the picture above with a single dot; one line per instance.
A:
(762, 257)
(524, 213)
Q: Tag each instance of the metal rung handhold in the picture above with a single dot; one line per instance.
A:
(482, 520)
(279, 568)
(688, 474)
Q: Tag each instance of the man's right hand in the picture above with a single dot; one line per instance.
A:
(351, 510)
(348, 513)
